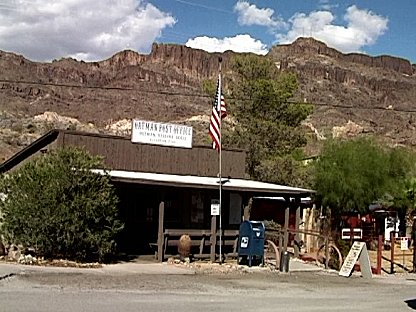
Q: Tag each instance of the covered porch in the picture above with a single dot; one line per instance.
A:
(158, 208)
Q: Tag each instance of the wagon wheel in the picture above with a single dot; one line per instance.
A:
(335, 256)
(271, 254)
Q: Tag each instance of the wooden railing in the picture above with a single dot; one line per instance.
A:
(201, 242)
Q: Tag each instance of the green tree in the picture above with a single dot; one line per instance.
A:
(409, 195)
(267, 125)
(209, 86)
(350, 175)
(58, 206)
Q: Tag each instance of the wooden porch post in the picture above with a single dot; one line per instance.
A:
(213, 237)
(297, 235)
(160, 236)
(286, 226)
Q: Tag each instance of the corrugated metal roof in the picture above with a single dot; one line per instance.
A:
(204, 182)
(305, 200)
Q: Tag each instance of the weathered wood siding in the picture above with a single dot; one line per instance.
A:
(121, 154)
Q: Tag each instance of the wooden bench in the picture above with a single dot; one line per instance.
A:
(201, 240)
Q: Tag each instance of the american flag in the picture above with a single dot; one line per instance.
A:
(218, 110)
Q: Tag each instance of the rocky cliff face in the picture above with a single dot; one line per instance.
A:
(196, 63)
(375, 93)
(312, 47)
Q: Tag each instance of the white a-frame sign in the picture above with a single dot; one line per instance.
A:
(358, 252)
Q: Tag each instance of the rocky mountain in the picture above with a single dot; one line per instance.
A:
(351, 93)
(376, 93)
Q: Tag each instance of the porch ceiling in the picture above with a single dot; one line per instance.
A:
(229, 184)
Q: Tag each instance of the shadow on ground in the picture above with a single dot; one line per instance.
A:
(411, 303)
(122, 258)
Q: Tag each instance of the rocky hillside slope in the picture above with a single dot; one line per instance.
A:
(352, 93)
(377, 94)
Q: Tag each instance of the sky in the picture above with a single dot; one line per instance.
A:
(92, 30)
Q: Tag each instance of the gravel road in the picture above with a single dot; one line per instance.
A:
(126, 290)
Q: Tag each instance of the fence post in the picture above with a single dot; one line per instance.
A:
(392, 243)
(379, 253)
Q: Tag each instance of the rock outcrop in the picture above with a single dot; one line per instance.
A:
(351, 129)
(193, 62)
(310, 46)
(376, 93)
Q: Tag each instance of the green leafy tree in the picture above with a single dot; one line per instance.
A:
(409, 195)
(58, 206)
(267, 125)
(404, 202)
(350, 175)
(209, 87)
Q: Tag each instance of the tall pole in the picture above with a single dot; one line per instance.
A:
(414, 242)
(219, 154)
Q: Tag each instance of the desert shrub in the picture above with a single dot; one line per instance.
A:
(57, 205)
(344, 247)
(272, 230)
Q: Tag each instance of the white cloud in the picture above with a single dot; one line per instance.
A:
(85, 29)
(239, 43)
(366, 24)
(363, 27)
(249, 14)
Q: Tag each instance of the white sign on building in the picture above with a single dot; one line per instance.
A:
(215, 207)
(150, 132)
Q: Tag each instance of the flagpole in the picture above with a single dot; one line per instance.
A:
(219, 154)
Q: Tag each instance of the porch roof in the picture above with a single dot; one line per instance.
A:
(228, 184)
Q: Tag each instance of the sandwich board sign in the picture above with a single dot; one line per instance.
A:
(358, 252)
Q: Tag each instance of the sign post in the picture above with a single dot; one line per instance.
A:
(215, 211)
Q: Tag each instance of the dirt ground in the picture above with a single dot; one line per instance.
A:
(88, 290)
(403, 260)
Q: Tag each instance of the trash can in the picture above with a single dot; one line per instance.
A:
(251, 242)
(284, 261)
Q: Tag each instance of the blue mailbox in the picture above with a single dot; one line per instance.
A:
(251, 242)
